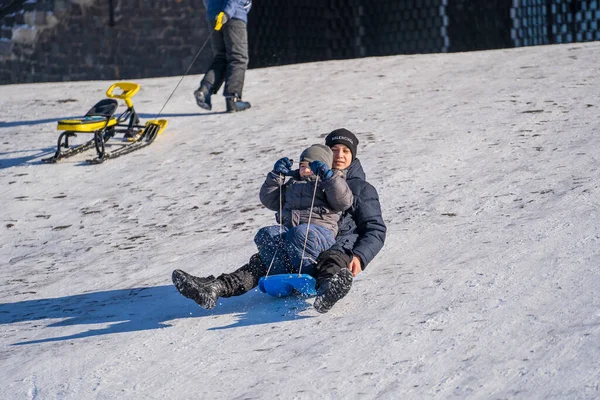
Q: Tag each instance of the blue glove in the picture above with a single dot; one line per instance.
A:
(283, 166)
(321, 169)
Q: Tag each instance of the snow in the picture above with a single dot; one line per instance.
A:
(487, 288)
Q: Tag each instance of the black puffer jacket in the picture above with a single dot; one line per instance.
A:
(361, 227)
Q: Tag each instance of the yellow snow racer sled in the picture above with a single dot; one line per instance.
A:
(104, 125)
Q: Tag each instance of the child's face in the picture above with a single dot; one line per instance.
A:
(305, 169)
(342, 156)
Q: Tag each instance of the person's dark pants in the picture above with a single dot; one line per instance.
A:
(329, 263)
(243, 279)
(230, 49)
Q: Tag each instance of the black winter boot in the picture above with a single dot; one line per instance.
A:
(333, 289)
(244, 278)
(234, 103)
(202, 95)
(204, 291)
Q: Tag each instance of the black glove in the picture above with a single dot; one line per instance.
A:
(221, 20)
(321, 169)
(283, 166)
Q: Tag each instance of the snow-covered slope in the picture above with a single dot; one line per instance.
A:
(487, 169)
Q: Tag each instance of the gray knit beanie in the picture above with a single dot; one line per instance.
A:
(318, 152)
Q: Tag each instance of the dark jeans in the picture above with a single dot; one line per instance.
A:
(282, 248)
(230, 49)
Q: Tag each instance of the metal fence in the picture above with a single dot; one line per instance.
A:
(313, 30)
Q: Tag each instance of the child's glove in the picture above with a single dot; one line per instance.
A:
(221, 20)
(321, 169)
(283, 166)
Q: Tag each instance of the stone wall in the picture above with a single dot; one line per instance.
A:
(66, 40)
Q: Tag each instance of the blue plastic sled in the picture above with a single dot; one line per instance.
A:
(284, 285)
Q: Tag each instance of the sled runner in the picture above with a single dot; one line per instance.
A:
(101, 122)
(283, 285)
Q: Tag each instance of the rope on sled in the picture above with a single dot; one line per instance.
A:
(281, 181)
(184, 75)
(308, 226)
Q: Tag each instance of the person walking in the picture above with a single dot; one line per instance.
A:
(229, 42)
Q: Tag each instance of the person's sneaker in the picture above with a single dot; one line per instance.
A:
(203, 99)
(332, 290)
(235, 104)
(204, 291)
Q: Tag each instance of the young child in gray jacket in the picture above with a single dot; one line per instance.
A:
(314, 193)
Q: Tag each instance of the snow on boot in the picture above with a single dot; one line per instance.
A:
(203, 98)
(332, 290)
(234, 104)
(204, 291)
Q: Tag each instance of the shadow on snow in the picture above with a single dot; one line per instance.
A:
(139, 309)
(13, 162)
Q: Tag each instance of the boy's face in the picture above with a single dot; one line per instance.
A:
(342, 156)
(305, 169)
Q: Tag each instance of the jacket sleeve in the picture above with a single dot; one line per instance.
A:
(232, 5)
(269, 191)
(339, 195)
(369, 225)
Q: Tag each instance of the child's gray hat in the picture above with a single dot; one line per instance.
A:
(318, 152)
